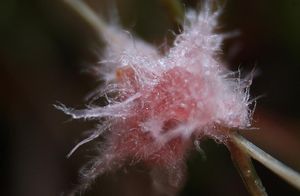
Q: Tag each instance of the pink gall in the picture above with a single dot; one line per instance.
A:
(160, 104)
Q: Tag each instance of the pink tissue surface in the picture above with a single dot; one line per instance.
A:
(159, 104)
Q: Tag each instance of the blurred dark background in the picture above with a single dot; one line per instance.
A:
(46, 50)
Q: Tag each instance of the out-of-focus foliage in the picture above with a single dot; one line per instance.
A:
(45, 49)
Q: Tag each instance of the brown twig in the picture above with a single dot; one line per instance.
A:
(285, 172)
(244, 165)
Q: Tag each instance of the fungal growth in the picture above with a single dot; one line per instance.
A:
(160, 104)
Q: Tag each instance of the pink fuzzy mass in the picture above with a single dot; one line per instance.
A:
(159, 104)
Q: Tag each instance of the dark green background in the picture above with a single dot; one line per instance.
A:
(45, 50)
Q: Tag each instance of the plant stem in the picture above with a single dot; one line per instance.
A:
(288, 174)
(244, 165)
(92, 19)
